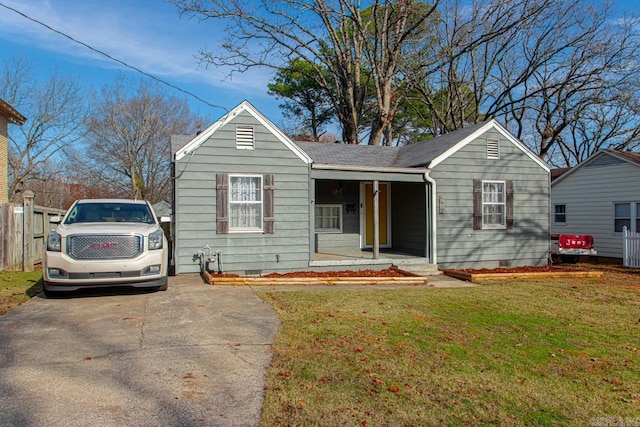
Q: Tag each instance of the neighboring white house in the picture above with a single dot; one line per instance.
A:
(599, 196)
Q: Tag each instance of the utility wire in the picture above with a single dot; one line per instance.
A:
(186, 92)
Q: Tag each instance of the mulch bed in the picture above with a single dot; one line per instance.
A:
(525, 269)
(387, 272)
(346, 277)
(526, 272)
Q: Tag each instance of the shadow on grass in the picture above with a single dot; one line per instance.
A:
(35, 289)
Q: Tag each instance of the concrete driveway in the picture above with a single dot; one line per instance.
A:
(195, 355)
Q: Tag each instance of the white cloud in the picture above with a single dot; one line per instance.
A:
(150, 36)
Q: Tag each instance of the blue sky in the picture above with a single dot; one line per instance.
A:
(147, 34)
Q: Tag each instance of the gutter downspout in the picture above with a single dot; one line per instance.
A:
(312, 213)
(431, 213)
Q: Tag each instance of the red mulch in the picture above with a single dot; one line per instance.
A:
(225, 275)
(389, 272)
(525, 269)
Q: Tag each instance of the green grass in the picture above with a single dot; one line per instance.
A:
(560, 352)
(17, 287)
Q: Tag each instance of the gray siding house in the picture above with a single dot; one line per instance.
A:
(476, 197)
(599, 197)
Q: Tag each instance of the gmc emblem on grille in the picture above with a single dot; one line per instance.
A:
(106, 245)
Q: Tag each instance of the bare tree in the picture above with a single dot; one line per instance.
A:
(129, 137)
(353, 49)
(55, 109)
(561, 73)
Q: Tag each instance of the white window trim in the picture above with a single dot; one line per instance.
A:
(555, 213)
(634, 215)
(340, 219)
(231, 202)
(502, 226)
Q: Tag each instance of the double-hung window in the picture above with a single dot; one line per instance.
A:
(560, 214)
(328, 218)
(493, 204)
(245, 202)
(626, 215)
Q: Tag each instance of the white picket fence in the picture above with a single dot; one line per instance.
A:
(630, 248)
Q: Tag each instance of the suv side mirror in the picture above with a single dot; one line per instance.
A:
(164, 219)
(55, 219)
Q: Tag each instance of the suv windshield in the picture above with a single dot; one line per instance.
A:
(109, 212)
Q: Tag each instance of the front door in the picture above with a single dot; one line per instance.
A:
(385, 213)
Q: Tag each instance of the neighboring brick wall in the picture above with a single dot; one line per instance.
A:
(4, 123)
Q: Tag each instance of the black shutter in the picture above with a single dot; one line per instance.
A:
(477, 204)
(268, 193)
(509, 203)
(222, 203)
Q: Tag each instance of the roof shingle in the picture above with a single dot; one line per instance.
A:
(409, 156)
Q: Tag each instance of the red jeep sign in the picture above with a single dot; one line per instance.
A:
(575, 241)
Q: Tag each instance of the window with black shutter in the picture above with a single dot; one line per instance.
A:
(244, 203)
(492, 204)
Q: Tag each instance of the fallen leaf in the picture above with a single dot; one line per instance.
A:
(394, 389)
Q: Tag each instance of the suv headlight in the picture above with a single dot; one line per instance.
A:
(155, 240)
(54, 242)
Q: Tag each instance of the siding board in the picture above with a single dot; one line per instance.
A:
(589, 194)
(196, 202)
(459, 245)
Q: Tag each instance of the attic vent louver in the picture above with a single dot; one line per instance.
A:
(244, 137)
(493, 149)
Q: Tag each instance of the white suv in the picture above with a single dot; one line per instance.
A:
(106, 242)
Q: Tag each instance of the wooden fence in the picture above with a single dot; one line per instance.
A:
(630, 248)
(24, 233)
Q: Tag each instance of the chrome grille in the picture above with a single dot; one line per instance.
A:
(107, 246)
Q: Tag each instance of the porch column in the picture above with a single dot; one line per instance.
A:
(376, 219)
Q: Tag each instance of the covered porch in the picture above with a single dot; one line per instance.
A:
(371, 217)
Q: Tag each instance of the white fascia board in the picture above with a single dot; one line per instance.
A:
(497, 126)
(578, 166)
(196, 142)
(276, 131)
(589, 160)
(631, 162)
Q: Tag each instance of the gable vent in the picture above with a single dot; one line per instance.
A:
(244, 137)
(493, 149)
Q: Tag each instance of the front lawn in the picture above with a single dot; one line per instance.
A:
(17, 287)
(561, 352)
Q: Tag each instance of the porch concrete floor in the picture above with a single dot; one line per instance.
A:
(364, 259)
